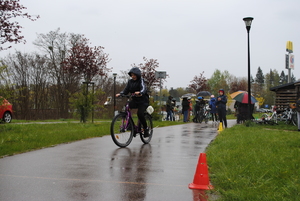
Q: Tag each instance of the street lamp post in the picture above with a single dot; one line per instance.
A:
(160, 75)
(93, 91)
(115, 76)
(248, 21)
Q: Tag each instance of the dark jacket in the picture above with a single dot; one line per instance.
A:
(221, 104)
(169, 104)
(185, 104)
(212, 104)
(137, 85)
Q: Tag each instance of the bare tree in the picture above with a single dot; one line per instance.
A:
(10, 30)
(56, 46)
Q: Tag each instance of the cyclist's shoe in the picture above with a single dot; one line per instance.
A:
(146, 132)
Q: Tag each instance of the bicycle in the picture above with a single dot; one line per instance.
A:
(207, 114)
(270, 119)
(123, 128)
(203, 114)
(289, 116)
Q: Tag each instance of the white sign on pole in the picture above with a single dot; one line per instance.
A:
(291, 61)
(160, 74)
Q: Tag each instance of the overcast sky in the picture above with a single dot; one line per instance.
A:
(187, 37)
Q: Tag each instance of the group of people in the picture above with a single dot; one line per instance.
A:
(217, 107)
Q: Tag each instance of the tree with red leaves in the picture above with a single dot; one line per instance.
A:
(148, 70)
(199, 83)
(10, 30)
(86, 61)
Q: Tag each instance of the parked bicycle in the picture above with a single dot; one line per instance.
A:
(268, 118)
(289, 116)
(123, 128)
(203, 115)
(207, 114)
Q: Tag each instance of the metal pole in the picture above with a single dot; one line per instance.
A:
(114, 94)
(93, 91)
(249, 77)
(289, 72)
(160, 96)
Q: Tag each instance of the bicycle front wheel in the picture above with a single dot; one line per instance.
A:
(120, 134)
(150, 127)
(264, 117)
(207, 117)
(274, 118)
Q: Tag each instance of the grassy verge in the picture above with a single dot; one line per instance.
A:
(256, 163)
(19, 138)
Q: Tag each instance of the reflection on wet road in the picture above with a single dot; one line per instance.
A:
(96, 169)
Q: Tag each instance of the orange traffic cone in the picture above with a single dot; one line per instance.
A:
(201, 179)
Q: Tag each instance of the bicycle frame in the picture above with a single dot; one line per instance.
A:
(137, 128)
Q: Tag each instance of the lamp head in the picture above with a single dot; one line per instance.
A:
(248, 21)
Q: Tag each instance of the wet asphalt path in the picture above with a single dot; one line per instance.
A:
(96, 169)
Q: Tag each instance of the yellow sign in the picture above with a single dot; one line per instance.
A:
(289, 46)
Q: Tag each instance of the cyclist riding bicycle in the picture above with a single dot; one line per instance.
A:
(140, 100)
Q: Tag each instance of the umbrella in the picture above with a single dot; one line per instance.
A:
(188, 95)
(242, 97)
(204, 93)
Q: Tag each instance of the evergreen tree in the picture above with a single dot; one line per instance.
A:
(260, 78)
(282, 78)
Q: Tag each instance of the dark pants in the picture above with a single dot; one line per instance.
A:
(222, 116)
(169, 115)
(141, 106)
(214, 117)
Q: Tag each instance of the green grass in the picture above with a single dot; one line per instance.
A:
(19, 138)
(256, 163)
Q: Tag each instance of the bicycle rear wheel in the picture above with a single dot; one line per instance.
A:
(294, 118)
(150, 127)
(200, 116)
(121, 135)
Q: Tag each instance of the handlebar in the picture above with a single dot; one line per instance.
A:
(129, 95)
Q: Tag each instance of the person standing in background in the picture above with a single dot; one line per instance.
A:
(213, 109)
(221, 107)
(169, 109)
(190, 108)
(174, 108)
(185, 108)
